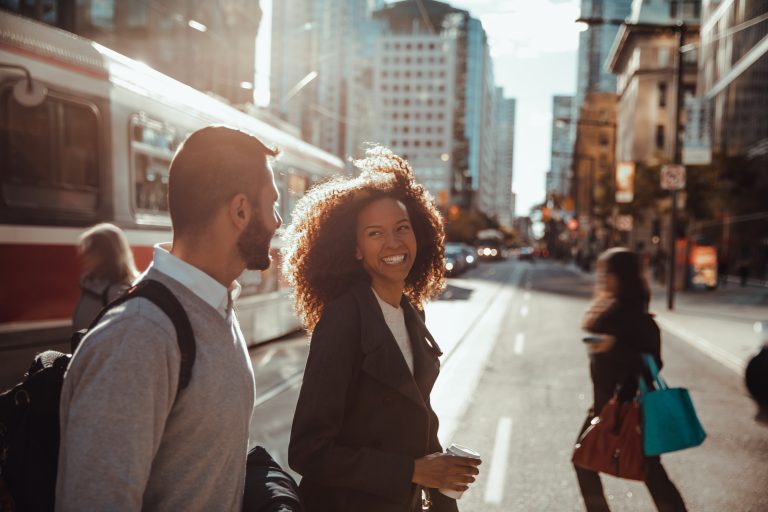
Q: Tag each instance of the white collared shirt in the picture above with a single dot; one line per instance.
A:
(201, 284)
(395, 319)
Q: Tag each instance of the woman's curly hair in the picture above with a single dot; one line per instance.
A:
(319, 252)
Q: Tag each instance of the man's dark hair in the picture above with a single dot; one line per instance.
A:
(210, 167)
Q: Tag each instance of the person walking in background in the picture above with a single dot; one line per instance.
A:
(363, 255)
(129, 439)
(107, 268)
(619, 316)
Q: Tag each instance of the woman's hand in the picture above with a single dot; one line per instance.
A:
(605, 344)
(445, 471)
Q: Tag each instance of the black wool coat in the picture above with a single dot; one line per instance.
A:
(362, 418)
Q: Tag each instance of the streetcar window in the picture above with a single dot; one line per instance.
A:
(26, 132)
(153, 145)
(79, 166)
(50, 154)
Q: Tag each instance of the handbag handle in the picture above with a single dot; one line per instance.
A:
(650, 362)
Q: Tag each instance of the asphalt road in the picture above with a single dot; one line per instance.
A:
(515, 386)
(525, 412)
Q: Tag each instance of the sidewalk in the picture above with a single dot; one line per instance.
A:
(719, 322)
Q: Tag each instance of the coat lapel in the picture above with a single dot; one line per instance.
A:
(382, 358)
(426, 365)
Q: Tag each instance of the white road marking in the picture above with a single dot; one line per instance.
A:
(464, 365)
(527, 296)
(519, 343)
(494, 488)
(524, 311)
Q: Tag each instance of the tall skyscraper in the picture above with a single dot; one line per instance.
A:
(603, 19)
(505, 149)
(321, 70)
(472, 151)
(413, 92)
(561, 154)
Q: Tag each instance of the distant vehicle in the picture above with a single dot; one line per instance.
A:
(463, 253)
(491, 249)
(525, 254)
(455, 259)
(470, 255)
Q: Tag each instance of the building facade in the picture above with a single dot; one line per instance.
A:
(561, 152)
(413, 91)
(733, 81)
(504, 123)
(209, 46)
(644, 60)
(733, 75)
(471, 156)
(321, 70)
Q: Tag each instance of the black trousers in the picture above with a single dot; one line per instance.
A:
(664, 493)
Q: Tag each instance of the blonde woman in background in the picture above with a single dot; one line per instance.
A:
(107, 268)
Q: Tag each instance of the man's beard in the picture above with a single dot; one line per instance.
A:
(254, 244)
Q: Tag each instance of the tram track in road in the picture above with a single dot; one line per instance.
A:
(465, 363)
(513, 279)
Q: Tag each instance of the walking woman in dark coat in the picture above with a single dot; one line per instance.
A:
(619, 315)
(363, 254)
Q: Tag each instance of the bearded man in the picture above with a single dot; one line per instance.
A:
(131, 438)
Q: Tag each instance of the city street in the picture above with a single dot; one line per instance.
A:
(515, 387)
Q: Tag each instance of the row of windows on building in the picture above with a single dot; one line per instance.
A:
(413, 74)
(417, 129)
(411, 46)
(407, 87)
(428, 116)
(409, 143)
(426, 102)
(428, 143)
(419, 61)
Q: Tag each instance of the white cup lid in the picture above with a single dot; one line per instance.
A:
(463, 451)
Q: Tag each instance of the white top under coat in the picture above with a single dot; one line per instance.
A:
(201, 284)
(395, 319)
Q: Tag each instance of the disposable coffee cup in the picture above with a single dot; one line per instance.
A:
(459, 451)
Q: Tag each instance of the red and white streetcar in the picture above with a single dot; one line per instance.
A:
(94, 146)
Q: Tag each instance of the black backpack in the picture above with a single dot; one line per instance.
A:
(29, 412)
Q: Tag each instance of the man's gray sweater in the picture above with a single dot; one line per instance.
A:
(127, 441)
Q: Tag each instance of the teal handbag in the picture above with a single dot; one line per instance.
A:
(669, 419)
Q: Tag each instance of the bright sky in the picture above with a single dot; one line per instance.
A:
(534, 47)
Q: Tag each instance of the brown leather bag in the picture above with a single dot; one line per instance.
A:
(613, 443)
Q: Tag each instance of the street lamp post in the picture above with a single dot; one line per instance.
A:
(677, 160)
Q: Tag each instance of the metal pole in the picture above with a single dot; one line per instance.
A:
(677, 160)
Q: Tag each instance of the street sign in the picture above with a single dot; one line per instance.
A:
(673, 177)
(625, 182)
(624, 223)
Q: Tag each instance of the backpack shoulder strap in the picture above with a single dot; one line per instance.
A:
(157, 293)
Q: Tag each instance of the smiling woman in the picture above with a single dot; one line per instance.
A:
(363, 254)
(328, 232)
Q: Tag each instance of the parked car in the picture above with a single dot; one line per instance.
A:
(470, 255)
(455, 259)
